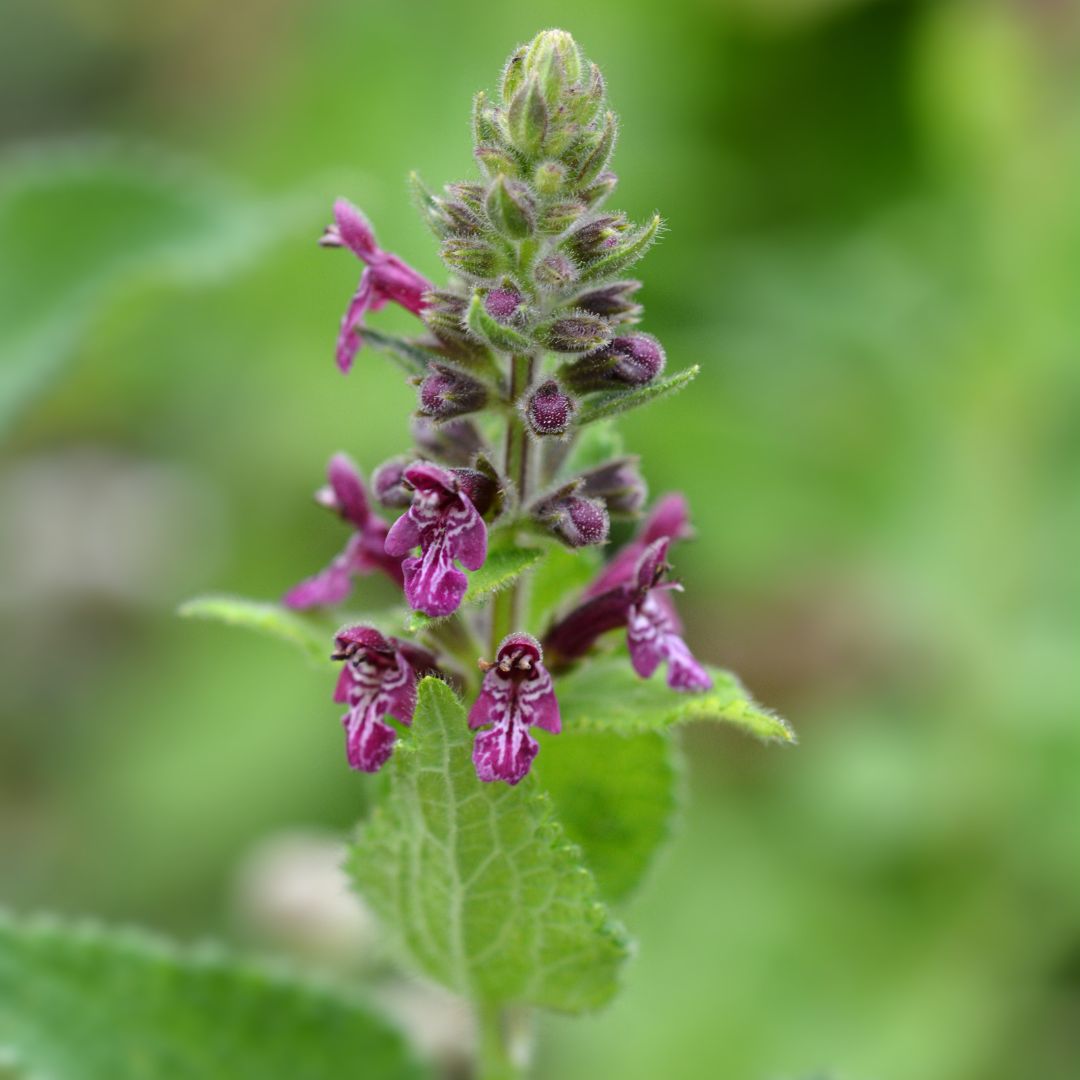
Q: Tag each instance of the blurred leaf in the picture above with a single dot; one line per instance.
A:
(412, 358)
(312, 638)
(79, 1003)
(504, 564)
(599, 406)
(597, 444)
(606, 695)
(81, 219)
(615, 795)
(558, 579)
(476, 881)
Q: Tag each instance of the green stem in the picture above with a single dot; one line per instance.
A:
(506, 607)
(493, 1053)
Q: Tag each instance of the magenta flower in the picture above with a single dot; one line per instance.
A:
(378, 680)
(516, 694)
(385, 278)
(653, 631)
(446, 525)
(365, 552)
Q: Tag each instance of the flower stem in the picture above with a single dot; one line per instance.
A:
(506, 607)
(493, 1061)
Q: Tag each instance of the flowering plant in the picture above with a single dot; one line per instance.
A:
(535, 779)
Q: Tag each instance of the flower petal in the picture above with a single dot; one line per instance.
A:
(329, 586)
(504, 753)
(432, 584)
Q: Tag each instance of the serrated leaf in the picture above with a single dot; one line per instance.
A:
(83, 219)
(476, 882)
(502, 567)
(611, 403)
(615, 795)
(605, 695)
(311, 637)
(79, 1003)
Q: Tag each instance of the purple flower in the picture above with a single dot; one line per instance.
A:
(446, 525)
(378, 680)
(385, 277)
(516, 694)
(640, 603)
(365, 553)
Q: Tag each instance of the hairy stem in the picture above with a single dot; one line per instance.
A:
(506, 607)
(493, 1051)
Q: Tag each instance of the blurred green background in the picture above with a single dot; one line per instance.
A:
(873, 250)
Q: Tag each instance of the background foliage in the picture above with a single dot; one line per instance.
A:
(873, 248)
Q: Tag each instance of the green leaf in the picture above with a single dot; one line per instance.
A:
(615, 795)
(598, 443)
(611, 403)
(83, 219)
(80, 1003)
(311, 637)
(413, 359)
(558, 579)
(503, 565)
(605, 695)
(476, 882)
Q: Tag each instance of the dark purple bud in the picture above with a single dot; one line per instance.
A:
(548, 410)
(596, 237)
(454, 442)
(611, 300)
(388, 485)
(579, 332)
(502, 304)
(630, 360)
(599, 189)
(445, 393)
(479, 486)
(619, 483)
(575, 519)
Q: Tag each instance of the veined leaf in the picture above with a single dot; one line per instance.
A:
(615, 795)
(611, 403)
(503, 565)
(312, 638)
(476, 882)
(79, 1003)
(414, 359)
(605, 695)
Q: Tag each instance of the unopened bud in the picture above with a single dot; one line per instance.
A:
(495, 160)
(527, 118)
(443, 314)
(554, 60)
(596, 192)
(502, 304)
(445, 393)
(387, 481)
(485, 129)
(549, 177)
(548, 410)
(619, 483)
(513, 73)
(579, 332)
(471, 257)
(511, 208)
(594, 152)
(576, 520)
(455, 442)
(611, 300)
(555, 272)
(479, 487)
(596, 237)
(556, 217)
(632, 360)
(497, 333)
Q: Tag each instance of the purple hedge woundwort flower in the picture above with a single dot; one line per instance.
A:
(385, 278)
(378, 680)
(516, 694)
(445, 524)
(365, 553)
(653, 631)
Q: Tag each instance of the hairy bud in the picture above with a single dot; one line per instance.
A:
(548, 410)
(471, 257)
(480, 487)
(511, 208)
(619, 483)
(578, 332)
(549, 177)
(446, 392)
(455, 442)
(576, 520)
(555, 272)
(388, 483)
(612, 301)
(502, 304)
(595, 193)
(597, 236)
(632, 360)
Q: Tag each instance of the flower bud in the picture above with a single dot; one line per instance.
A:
(491, 331)
(502, 304)
(596, 192)
(479, 486)
(511, 208)
(556, 217)
(576, 520)
(548, 410)
(631, 360)
(473, 258)
(593, 152)
(619, 483)
(446, 392)
(455, 442)
(578, 332)
(495, 160)
(612, 300)
(513, 73)
(549, 177)
(527, 118)
(596, 237)
(554, 60)
(443, 316)
(630, 248)
(485, 128)
(555, 272)
(387, 482)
